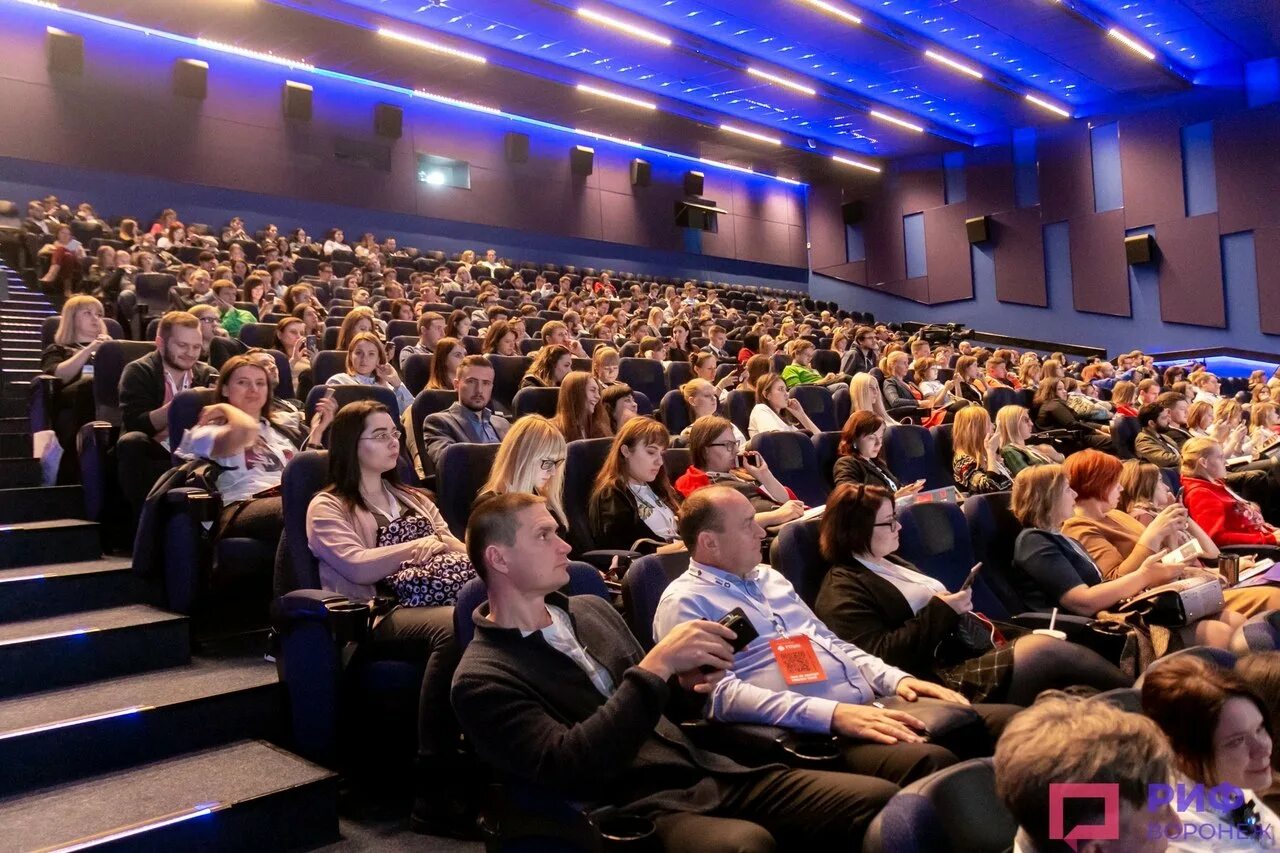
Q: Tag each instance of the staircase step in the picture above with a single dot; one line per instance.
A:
(32, 543)
(20, 472)
(40, 591)
(38, 503)
(53, 737)
(244, 796)
(9, 308)
(14, 407)
(38, 654)
(16, 445)
(14, 425)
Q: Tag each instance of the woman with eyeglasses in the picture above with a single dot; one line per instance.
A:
(860, 461)
(367, 365)
(1220, 731)
(888, 607)
(531, 460)
(374, 536)
(632, 502)
(716, 458)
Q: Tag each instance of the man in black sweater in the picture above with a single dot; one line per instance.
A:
(147, 387)
(555, 691)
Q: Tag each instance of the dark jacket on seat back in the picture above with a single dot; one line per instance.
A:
(532, 713)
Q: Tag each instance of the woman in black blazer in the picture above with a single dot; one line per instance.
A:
(860, 461)
(1052, 412)
(892, 610)
(633, 498)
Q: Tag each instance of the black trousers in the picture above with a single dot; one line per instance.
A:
(425, 633)
(255, 518)
(782, 810)
(903, 763)
(141, 460)
(72, 408)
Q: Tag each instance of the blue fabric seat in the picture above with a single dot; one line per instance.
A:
(792, 459)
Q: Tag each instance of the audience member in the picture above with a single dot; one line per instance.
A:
(1228, 518)
(893, 610)
(367, 365)
(633, 499)
(860, 461)
(430, 331)
(604, 366)
(775, 410)
(579, 413)
(69, 360)
(530, 460)
(619, 401)
(549, 368)
(717, 458)
(444, 364)
(469, 420)
(1014, 427)
(976, 464)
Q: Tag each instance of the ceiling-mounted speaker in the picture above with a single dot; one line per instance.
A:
(191, 78)
(582, 160)
(641, 173)
(1139, 249)
(978, 229)
(388, 121)
(66, 51)
(852, 212)
(694, 183)
(297, 101)
(516, 147)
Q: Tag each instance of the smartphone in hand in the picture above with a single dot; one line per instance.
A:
(973, 576)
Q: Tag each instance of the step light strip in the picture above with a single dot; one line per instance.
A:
(373, 84)
(76, 721)
(137, 829)
(52, 635)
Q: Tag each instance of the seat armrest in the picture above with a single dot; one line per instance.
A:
(755, 745)
(40, 411)
(303, 605)
(1080, 630)
(96, 439)
(201, 505)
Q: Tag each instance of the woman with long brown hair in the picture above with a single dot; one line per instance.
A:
(578, 411)
(633, 499)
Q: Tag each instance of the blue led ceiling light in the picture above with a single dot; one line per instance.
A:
(1169, 27)
(405, 92)
(1137, 42)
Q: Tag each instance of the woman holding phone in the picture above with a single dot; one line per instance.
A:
(716, 458)
(910, 620)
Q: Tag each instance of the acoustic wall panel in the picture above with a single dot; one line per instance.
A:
(1247, 168)
(1150, 168)
(1267, 248)
(913, 238)
(947, 251)
(954, 188)
(1057, 263)
(1104, 153)
(1240, 279)
(1019, 257)
(1100, 276)
(918, 190)
(1199, 176)
(1026, 164)
(1190, 272)
(1066, 183)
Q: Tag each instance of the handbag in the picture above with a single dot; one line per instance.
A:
(1179, 603)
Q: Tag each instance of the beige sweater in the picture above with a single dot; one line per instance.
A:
(344, 541)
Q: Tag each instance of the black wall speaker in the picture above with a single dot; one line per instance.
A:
(388, 120)
(516, 146)
(1139, 249)
(852, 212)
(582, 160)
(191, 78)
(297, 101)
(978, 228)
(641, 173)
(66, 51)
(693, 183)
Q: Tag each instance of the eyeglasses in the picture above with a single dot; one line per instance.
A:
(551, 464)
(892, 524)
(731, 445)
(208, 321)
(383, 435)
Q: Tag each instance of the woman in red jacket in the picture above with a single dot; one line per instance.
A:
(1228, 518)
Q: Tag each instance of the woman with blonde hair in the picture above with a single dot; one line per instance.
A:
(1230, 428)
(1014, 427)
(1264, 422)
(865, 396)
(1029, 374)
(1051, 368)
(604, 366)
(444, 364)
(633, 501)
(69, 359)
(579, 414)
(531, 460)
(976, 465)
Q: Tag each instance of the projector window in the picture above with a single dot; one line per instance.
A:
(438, 171)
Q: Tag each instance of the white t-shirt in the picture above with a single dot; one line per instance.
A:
(254, 469)
(765, 419)
(559, 635)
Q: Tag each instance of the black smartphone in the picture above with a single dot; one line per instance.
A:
(973, 576)
(312, 343)
(744, 632)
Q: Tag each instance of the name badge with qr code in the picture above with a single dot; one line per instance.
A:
(797, 660)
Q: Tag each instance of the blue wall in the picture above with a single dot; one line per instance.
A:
(115, 194)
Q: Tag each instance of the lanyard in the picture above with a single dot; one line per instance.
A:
(761, 606)
(186, 382)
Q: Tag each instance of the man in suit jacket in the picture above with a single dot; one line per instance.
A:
(717, 339)
(469, 420)
(861, 357)
(554, 691)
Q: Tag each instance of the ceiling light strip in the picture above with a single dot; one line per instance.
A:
(368, 83)
(953, 65)
(431, 45)
(751, 134)
(895, 120)
(614, 96)
(781, 81)
(1046, 105)
(1131, 43)
(860, 165)
(623, 27)
(834, 10)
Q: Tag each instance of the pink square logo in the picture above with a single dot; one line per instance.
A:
(1108, 830)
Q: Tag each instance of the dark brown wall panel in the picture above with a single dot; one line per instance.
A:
(1019, 248)
(1190, 270)
(918, 191)
(854, 273)
(826, 226)
(1266, 245)
(947, 254)
(1099, 274)
(989, 185)
(1151, 169)
(1066, 173)
(886, 252)
(1247, 164)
